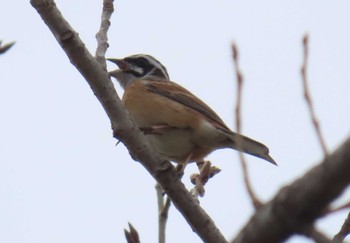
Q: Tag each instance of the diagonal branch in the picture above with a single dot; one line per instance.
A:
(127, 132)
(297, 206)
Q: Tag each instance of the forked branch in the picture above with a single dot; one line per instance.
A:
(99, 81)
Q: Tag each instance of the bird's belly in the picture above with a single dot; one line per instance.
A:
(176, 145)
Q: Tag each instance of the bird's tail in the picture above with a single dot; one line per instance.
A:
(250, 146)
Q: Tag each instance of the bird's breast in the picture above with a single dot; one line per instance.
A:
(150, 109)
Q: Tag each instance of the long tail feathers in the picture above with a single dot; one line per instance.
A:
(252, 147)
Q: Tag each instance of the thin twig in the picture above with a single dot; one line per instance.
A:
(101, 36)
(255, 201)
(316, 235)
(132, 236)
(307, 95)
(163, 209)
(337, 209)
(344, 231)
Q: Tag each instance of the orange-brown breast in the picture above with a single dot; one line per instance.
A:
(150, 109)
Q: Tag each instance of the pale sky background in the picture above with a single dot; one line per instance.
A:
(63, 180)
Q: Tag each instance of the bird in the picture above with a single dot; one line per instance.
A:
(179, 126)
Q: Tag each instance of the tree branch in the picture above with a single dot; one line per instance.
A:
(127, 132)
(344, 231)
(132, 236)
(298, 205)
(163, 210)
(254, 199)
(307, 96)
(101, 36)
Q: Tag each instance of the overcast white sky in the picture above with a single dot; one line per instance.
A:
(63, 180)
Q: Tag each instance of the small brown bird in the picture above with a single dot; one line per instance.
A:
(179, 126)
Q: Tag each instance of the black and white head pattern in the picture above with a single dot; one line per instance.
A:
(142, 65)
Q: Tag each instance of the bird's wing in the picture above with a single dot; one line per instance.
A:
(179, 94)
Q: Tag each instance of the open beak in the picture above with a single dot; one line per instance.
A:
(120, 63)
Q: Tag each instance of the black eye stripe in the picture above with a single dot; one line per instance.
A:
(139, 62)
(146, 65)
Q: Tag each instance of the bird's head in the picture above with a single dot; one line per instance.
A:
(137, 67)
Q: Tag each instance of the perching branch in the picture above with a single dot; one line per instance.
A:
(122, 126)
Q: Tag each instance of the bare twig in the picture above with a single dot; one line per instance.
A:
(163, 209)
(337, 209)
(101, 36)
(254, 199)
(316, 235)
(163, 219)
(123, 126)
(307, 95)
(344, 231)
(132, 236)
(6, 47)
(297, 206)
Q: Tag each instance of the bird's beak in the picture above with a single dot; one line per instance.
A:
(120, 74)
(120, 63)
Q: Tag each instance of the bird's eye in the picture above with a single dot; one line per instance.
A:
(142, 62)
(139, 61)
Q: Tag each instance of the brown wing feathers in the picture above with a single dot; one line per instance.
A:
(179, 94)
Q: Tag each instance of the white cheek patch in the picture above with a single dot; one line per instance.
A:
(142, 65)
(138, 70)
